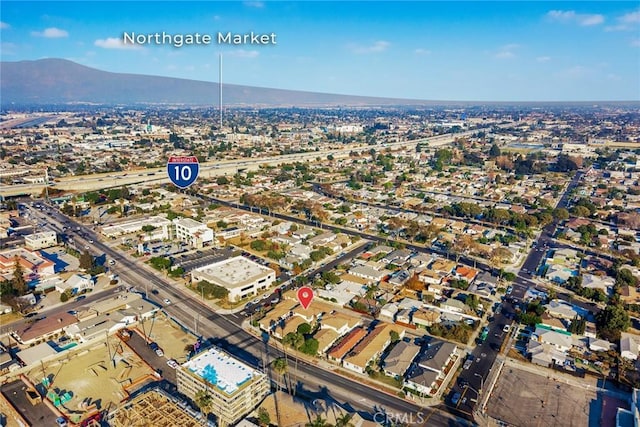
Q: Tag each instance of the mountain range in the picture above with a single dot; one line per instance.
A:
(59, 81)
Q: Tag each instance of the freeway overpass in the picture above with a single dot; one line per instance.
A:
(209, 169)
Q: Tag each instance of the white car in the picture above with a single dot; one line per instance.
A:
(506, 328)
(167, 301)
(172, 363)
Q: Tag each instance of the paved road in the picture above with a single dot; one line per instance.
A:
(484, 355)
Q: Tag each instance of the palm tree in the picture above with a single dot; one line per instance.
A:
(204, 401)
(318, 422)
(344, 420)
(280, 365)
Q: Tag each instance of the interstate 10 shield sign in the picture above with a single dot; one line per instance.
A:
(183, 170)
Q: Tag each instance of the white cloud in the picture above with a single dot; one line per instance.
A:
(242, 53)
(570, 16)
(51, 33)
(543, 58)
(506, 51)
(379, 46)
(254, 4)
(630, 18)
(421, 51)
(626, 22)
(115, 43)
(635, 43)
(613, 77)
(4, 26)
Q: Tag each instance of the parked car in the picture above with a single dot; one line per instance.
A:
(455, 398)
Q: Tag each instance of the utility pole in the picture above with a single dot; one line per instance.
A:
(220, 88)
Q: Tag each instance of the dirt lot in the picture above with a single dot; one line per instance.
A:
(524, 398)
(91, 379)
(169, 336)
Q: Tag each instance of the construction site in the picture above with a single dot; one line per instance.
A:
(91, 380)
(155, 408)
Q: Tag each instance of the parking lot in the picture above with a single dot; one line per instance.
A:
(158, 363)
(524, 399)
(201, 258)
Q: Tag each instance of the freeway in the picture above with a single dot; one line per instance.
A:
(310, 379)
(210, 169)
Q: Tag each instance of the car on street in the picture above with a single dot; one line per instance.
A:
(506, 328)
(467, 364)
(172, 364)
(167, 301)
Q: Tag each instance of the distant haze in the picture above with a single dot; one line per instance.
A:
(59, 81)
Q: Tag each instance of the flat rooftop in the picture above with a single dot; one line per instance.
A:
(221, 370)
(234, 272)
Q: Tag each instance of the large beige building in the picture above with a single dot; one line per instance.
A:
(42, 240)
(235, 388)
(241, 276)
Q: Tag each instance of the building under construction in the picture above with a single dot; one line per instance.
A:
(155, 408)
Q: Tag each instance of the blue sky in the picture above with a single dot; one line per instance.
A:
(474, 51)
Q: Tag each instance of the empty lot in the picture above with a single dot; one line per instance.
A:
(523, 399)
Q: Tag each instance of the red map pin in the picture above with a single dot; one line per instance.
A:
(305, 295)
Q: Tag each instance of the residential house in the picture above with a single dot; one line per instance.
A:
(76, 284)
(400, 358)
(340, 350)
(425, 318)
(564, 310)
(370, 347)
(629, 346)
(431, 367)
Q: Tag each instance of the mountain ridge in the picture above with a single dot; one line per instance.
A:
(60, 81)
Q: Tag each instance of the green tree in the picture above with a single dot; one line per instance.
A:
(625, 277)
(318, 422)
(66, 295)
(494, 151)
(293, 339)
(560, 214)
(86, 261)
(344, 420)
(263, 417)
(259, 245)
(612, 321)
(204, 401)
(310, 346)
(395, 337)
(304, 328)
(18, 282)
(148, 228)
(280, 365)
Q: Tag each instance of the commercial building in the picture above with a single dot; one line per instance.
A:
(192, 232)
(160, 228)
(235, 388)
(32, 262)
(37, 241)
(241, 276)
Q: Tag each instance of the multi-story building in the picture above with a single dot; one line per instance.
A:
(44, 239)
(192, 232)
(235, 388)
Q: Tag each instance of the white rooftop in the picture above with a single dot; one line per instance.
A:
(234, 272)
(221, 370)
